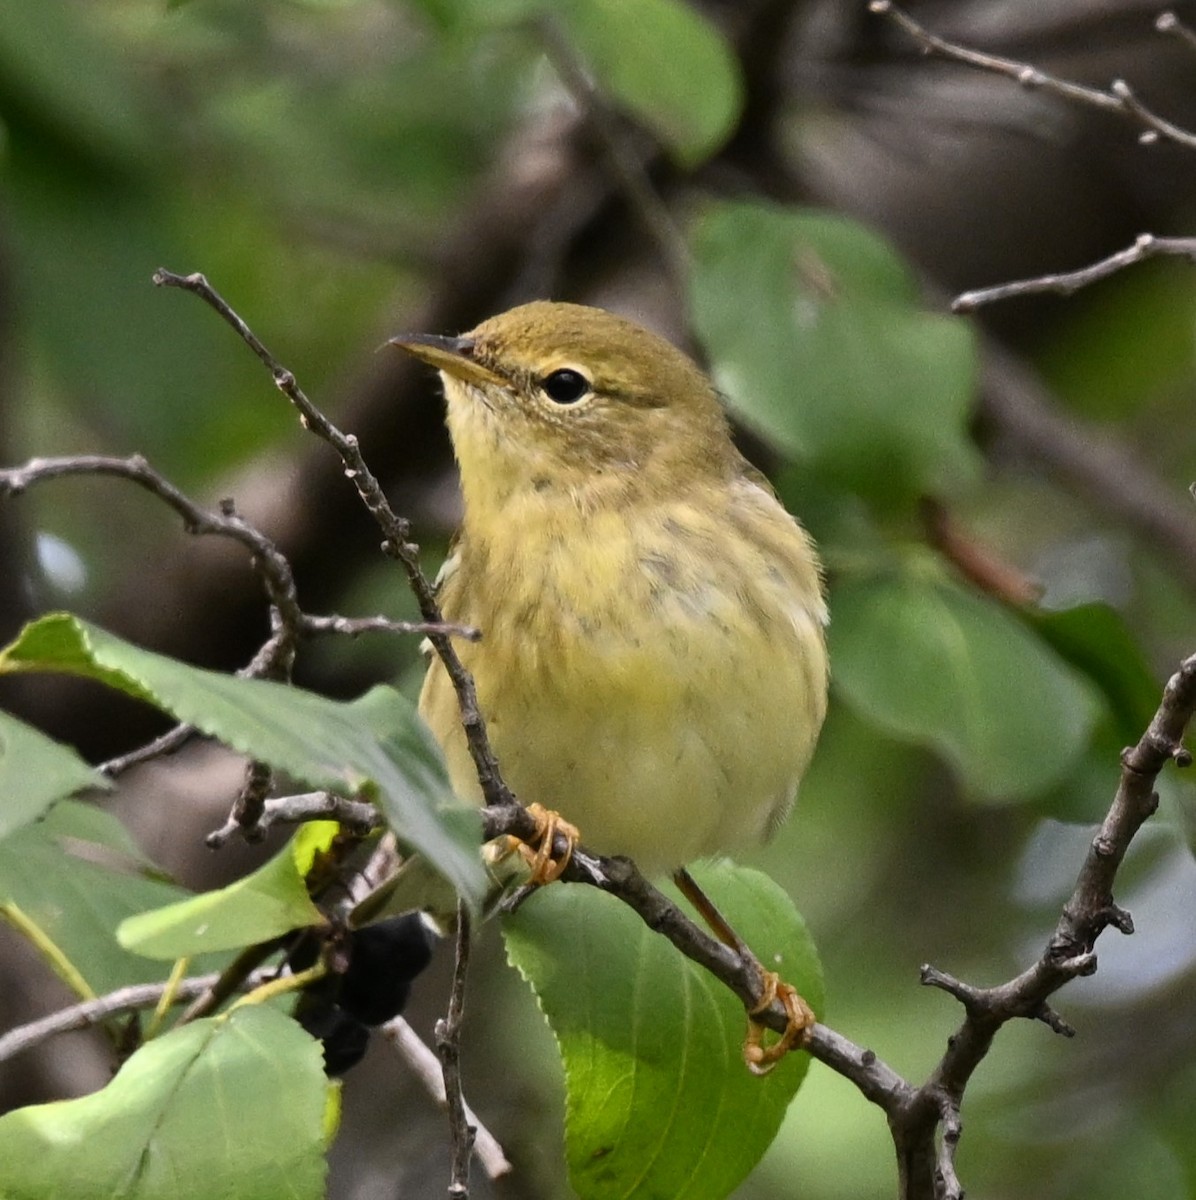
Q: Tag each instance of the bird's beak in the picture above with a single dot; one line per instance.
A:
(452, 355)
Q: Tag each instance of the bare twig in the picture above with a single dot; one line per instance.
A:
(934, 1108)
(448, 1049)
(250, 803)
(426, 1068)
(1065, 283)
(396, 531)
(1119, 99)
(314, 626)
(627, 167)
(269, 563)
(91, 1012)
(356, 815)
(975, 562)
(167, 743)
(1156, 126)
(1168, 22)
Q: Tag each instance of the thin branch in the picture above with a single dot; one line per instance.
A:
(357, 816)
(1168, 22)
(1156, 126)
(91, 1012)
(169, 742)
(396, 531)
(626, 165)
(1119, 99)
(977, 563)
(426, 1068)
(314, 626)
(1065, 283)
(272, 661)
(621, 878)
(268, 561)
(448, 1049)
(1069, 953)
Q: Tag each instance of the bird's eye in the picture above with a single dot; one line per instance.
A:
(565, 386)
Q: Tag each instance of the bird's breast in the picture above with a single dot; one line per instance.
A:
(656, 677)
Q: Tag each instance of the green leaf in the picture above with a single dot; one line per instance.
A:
(376, 745)
(660, 1102)
(77, 875)
(271, 901)
(1095, 639)
(665, 63)
(34, 772)
(827, 353)
(926, 661)
(220, 1108)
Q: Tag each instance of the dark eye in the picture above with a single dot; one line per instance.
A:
(565, 386)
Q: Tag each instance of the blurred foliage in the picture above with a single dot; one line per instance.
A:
(314, 159)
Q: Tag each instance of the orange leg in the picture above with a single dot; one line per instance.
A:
(760, 1058)
(538, 851)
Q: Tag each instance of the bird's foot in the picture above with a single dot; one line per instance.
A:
(761, 1058)
(539, 850)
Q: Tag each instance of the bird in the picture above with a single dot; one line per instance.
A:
(652, 664)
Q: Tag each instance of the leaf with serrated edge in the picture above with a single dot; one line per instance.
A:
(660, 1102)
(375, 745)
(185, 1116)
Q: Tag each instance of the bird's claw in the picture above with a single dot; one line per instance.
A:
(539, 851)
(761, 1058)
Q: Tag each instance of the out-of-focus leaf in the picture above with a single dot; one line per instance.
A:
(77, 875)
(1095, 639)
(940, 666)
(61, 80)
(375, 746)
(34, 772)
(817, 338)
(230, 1106)
(660, 1102)
(1127, 343)
(664, 62)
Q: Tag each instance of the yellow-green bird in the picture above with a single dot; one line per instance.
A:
(652, 663)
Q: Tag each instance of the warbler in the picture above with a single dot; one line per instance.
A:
(652, 663)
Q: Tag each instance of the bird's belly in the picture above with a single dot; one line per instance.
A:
(683, 739)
